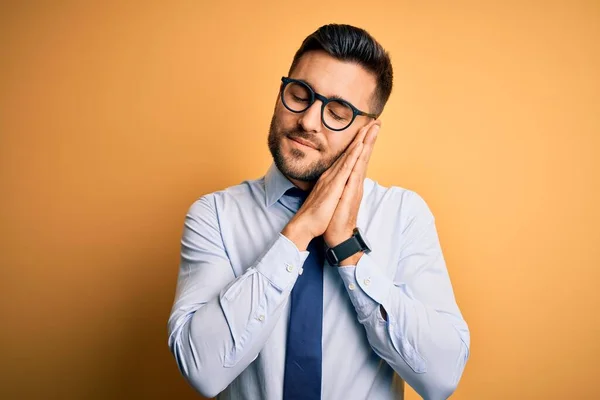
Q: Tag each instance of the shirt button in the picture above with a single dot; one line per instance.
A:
(289, 267)
(367, 281)
(261, 317)
(351, 286)
(300, 271)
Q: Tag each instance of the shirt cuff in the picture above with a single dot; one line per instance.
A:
(282, 263)
(367, 286)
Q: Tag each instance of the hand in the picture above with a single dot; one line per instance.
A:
(343, 221)
(313, 218)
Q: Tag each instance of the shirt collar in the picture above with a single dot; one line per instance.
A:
(276, 185)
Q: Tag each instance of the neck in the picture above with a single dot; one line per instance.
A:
(306, 186)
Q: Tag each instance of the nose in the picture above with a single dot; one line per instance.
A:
(310, 119)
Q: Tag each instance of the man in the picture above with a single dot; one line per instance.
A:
(279, 296)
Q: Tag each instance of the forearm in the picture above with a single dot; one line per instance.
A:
(426, 347)
(213, 342)
(421, 344)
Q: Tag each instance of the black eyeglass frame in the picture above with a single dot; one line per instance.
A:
(314, 96)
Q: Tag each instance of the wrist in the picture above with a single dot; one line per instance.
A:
(349, 251)
(338, 238)
(297, 234)
(352, 260)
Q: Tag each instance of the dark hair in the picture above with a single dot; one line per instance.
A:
(349, 43)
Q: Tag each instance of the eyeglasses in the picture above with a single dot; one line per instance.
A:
(337, 114)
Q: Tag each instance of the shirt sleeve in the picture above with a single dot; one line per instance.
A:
(219, 323)
(424, 338)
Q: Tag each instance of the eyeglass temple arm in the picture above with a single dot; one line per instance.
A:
(374, 116)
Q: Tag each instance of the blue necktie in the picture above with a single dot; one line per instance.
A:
(303, 366)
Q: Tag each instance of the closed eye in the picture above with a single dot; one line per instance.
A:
(299, 99)
(335, 116)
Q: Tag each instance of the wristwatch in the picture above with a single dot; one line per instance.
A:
(358, 242)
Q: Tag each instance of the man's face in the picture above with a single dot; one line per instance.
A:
(328, 77)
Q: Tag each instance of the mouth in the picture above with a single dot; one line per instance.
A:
(302, 142)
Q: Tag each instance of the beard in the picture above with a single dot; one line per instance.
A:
(295, 165)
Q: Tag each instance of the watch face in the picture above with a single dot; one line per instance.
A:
(362, 239)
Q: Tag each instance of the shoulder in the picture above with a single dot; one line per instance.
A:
(241, 194)
(405, 202)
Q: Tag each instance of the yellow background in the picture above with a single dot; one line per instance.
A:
(115, 118)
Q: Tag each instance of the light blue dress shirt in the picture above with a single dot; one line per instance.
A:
(227, 328)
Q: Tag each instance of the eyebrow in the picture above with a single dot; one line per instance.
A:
(332, 97)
